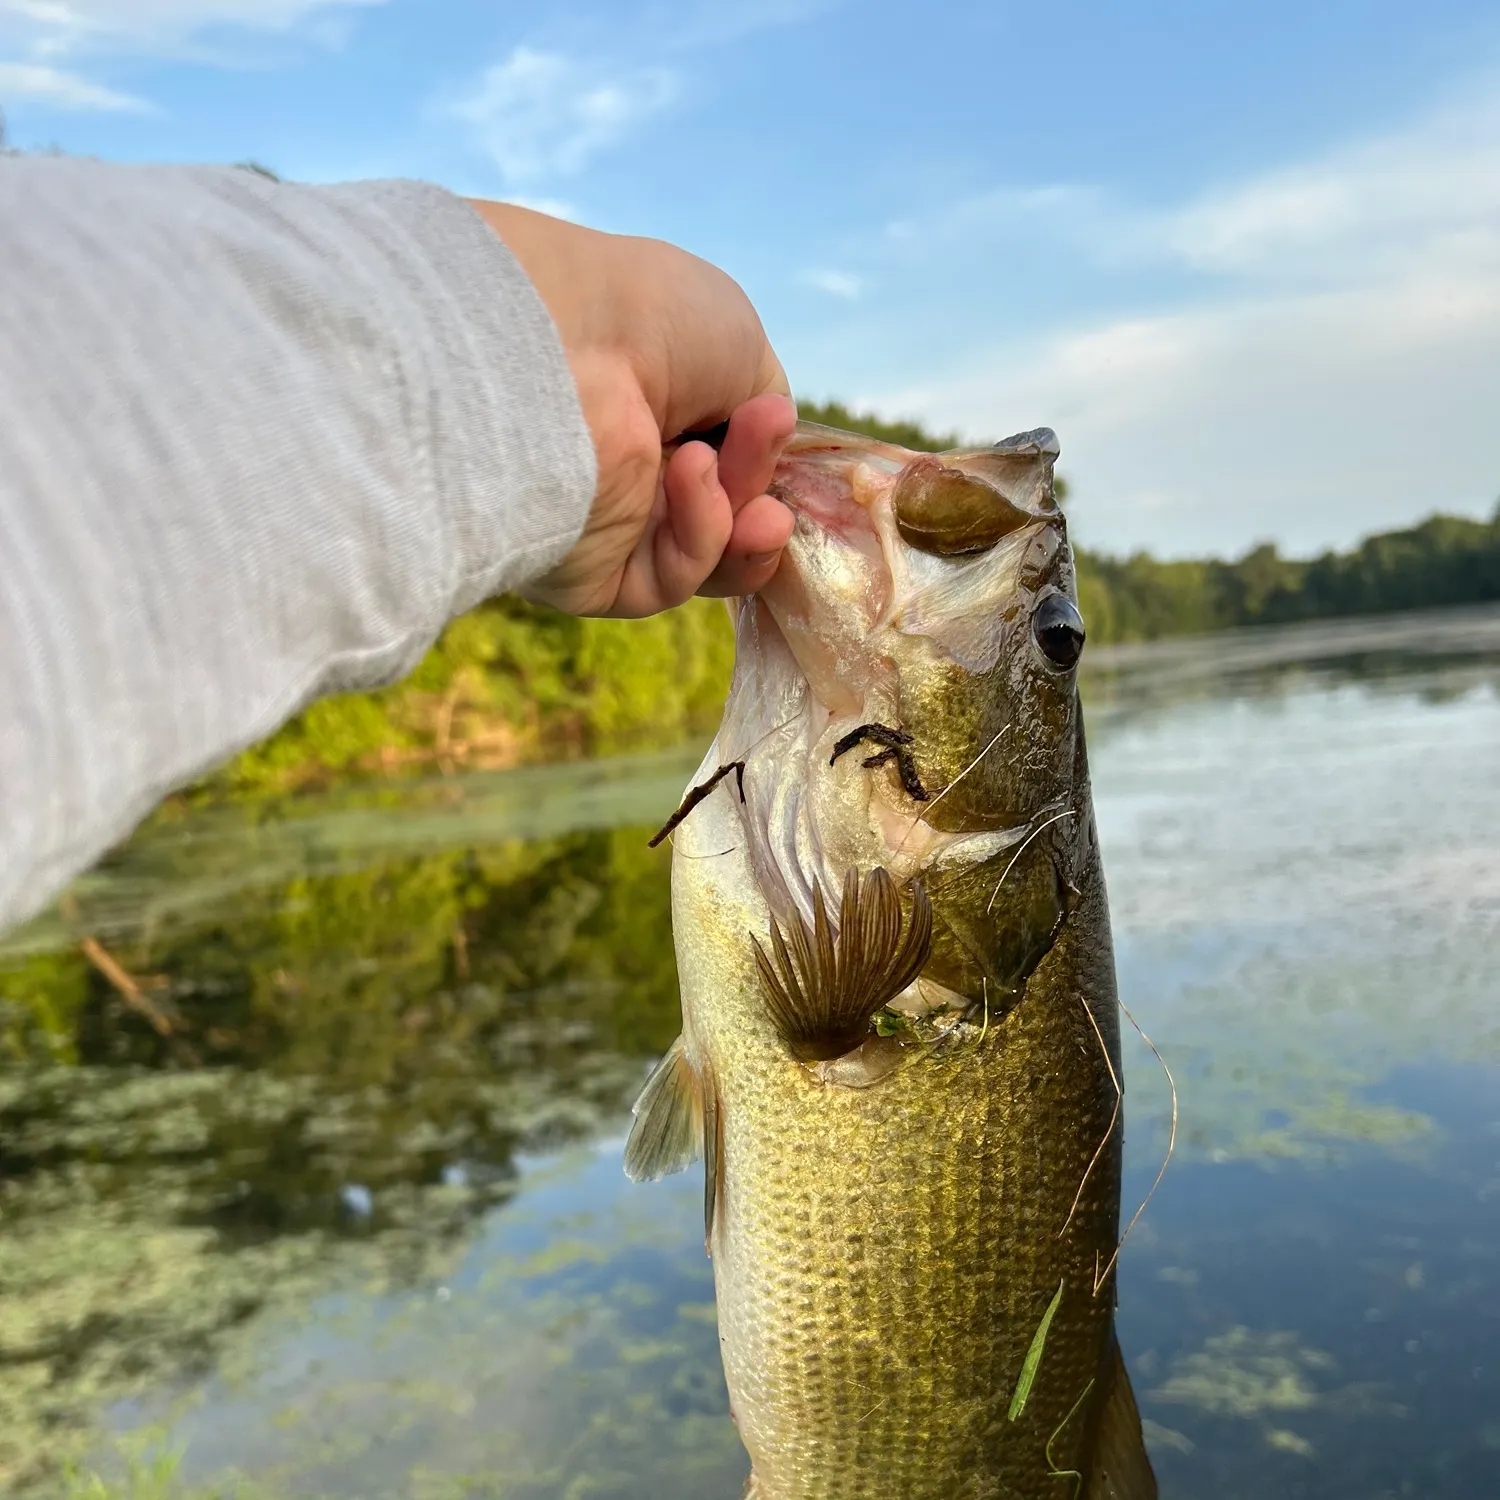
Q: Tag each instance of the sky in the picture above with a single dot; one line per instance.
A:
(1244, 258)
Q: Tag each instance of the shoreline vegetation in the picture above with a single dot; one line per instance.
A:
(510, 683)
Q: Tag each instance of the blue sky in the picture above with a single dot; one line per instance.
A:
(1245, 258)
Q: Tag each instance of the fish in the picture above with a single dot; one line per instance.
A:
(899, 1058)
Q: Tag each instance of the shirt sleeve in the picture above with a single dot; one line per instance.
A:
(259, 442)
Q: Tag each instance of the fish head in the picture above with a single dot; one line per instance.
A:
(906, 691)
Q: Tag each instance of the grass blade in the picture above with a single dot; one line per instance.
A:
(1033, 1357)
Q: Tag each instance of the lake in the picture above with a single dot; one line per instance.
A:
(322, 1196)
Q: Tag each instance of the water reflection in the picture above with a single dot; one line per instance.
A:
(353, 1064)
(355, 1224)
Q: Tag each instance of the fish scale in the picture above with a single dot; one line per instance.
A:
(892, 1211)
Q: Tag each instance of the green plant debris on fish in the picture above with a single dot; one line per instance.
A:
(1033, 1357)
(900, 1038)
(1053, 1472)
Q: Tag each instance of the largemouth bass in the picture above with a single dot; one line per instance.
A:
(900, 1051)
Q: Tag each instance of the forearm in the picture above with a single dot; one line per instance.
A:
(257, 443)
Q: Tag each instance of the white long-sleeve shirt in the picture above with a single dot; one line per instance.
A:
(258, 442)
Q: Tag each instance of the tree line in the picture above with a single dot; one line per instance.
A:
(1443, 560)
(510, 682)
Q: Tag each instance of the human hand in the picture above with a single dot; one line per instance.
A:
(660, 344)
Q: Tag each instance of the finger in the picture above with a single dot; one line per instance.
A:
(762, 529)
(758, 431)
(770, 376)
(683, 543)
(762, 526)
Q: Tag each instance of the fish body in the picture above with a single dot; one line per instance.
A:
(900, 1049)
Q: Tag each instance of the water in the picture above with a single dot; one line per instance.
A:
(355, 1225)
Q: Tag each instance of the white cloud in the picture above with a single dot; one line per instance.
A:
(1055, 209)
(62, 90)
(1311, 420)
(78, 20)
(544, 114)
(1331, 365)
(548, 109)
(35, 34)
(1388, 204)
(836, 283)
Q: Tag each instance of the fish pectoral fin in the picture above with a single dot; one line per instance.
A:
(1121, 1469)
(668, 1131)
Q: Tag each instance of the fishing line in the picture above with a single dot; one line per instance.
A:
(921, 817)
(1053, 1472)
(1099, 1150)
(1026, 844)
(715, 854)
(774, 729)
(1100, 1278)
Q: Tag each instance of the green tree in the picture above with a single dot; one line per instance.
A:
(512, 682)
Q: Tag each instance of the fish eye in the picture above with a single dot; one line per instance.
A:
(1057, 628)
